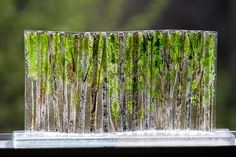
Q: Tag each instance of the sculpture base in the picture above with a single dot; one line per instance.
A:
(150, 138)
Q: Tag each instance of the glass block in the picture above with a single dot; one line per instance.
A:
(118, 81)
(111, 83)
(146, 138)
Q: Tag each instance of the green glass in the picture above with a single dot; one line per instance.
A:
(120, 81)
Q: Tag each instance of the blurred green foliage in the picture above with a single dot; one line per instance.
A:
(64, 15)
(88, 15)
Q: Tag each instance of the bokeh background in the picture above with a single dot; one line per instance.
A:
(108, 15)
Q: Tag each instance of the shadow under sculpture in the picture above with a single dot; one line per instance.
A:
(96, 89)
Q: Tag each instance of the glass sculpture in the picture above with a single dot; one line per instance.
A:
(149, 87)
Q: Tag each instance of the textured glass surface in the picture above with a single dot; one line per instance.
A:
(147, 138)
(120, 81)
